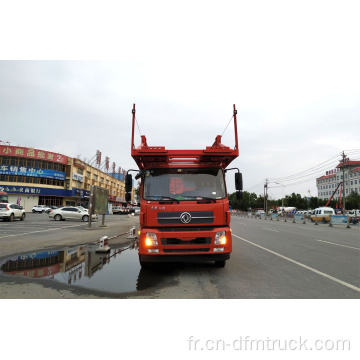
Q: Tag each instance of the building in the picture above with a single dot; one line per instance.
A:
(328, 183)
(32, 176)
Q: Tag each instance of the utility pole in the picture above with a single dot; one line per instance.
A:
(343, 168)
(265, 196)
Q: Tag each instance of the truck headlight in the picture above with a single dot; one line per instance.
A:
(220, 238)
(151, 239)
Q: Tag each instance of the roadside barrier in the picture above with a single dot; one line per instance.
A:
(274, 216)
(132, 233)
(339, 220)
(103, 247)
(299, 217)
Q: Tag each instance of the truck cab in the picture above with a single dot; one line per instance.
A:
(184, 209)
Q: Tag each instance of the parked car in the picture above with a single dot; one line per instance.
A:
(70, 212)
(51, 207)
(10, 212)
(119, 210)
(354, 216)
(116, 210)
(40, 208)
(137, 211)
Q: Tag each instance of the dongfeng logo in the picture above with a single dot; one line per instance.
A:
(185, 217)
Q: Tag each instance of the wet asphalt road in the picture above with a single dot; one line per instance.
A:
(270, 260)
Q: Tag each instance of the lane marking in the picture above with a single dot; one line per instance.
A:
(302, 265)
(350, 247)
(270, 229)
(34, 232)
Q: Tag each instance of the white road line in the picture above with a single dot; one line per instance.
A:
(270, 229)
(350, 247)
(34, 232)
(302, 265)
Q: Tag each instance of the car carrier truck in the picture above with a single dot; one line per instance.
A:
(184, 208)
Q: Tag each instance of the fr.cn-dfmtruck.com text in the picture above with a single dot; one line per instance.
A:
(247, 343)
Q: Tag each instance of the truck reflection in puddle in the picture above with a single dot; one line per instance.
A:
(117, 271)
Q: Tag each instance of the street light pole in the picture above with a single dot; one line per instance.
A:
(282, 195)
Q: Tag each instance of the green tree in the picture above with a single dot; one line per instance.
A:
(353, 201)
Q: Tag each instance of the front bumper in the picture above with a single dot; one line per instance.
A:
(185, 245)
(184, 258)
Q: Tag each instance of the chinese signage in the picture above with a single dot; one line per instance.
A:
(29, 190)
(31, 153)
(331, 172)
(30, 171)
(78, 177)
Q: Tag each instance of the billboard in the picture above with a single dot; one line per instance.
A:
(31, 153)
(99, 198)
(31, 171)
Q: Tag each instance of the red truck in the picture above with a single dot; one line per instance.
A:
(184, 208)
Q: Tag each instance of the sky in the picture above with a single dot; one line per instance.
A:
(70, 75)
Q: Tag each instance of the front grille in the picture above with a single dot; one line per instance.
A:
(185, 228)
(176, 241)
(197, 217)
(185, 250)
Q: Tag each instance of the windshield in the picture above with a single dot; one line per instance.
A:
(184, 184)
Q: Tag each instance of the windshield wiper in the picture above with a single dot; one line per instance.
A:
(163, 197)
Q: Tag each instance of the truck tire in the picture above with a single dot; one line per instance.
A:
(145, 264)
(220, 263)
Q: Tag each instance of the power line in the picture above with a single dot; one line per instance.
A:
(311, 170)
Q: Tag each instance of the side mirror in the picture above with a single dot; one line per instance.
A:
(238, 181)
(239, 195)
(128, 197)
(128, 183)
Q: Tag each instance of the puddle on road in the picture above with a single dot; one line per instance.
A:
(118, 271)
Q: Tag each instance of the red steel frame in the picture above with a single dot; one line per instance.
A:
(217, 155)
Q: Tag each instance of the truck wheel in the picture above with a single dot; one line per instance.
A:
(220, 263)
(145, 264)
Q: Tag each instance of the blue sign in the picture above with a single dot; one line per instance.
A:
(42, 255)
(29, 190)
(274, 216)
(31, 171)
(338, 219)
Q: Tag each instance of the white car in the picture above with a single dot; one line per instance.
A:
(40, 208)
(71, 212)
(10, 212)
